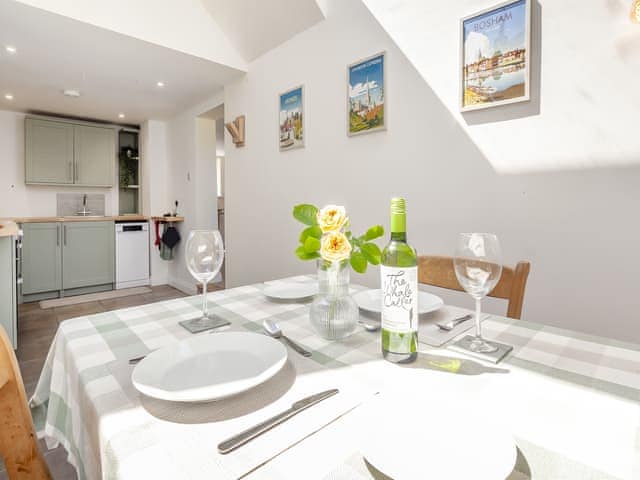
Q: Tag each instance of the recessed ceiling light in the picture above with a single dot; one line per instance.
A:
(71, 93)
(160, 84)
(10, 49)
(8, 96)
(121, 115)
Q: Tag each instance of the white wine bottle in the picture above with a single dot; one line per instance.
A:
(399, 282)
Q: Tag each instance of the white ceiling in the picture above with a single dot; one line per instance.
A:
(256, 26)
(114, 73)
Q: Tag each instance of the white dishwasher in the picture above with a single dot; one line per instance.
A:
(132, 254)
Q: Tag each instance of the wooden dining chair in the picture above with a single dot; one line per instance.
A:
(18, 442)
(439, 272)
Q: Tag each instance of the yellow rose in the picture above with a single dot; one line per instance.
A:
(332, 218)
(335, 247)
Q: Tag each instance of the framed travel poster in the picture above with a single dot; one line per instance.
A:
(292, 119)
(366, 95)
(495, 56)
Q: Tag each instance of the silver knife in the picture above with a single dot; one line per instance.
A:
(241, 438)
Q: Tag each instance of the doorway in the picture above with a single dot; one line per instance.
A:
(210, 147)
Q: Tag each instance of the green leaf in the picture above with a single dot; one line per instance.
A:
(303, 255)
(374, 232)
(372, 253)
(306, 214)
(313, 231)
(358, 262)
(311, 244)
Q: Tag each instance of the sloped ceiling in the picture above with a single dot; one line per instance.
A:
(256, 26)
(114, 73)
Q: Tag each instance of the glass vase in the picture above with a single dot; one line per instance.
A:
(334, 314)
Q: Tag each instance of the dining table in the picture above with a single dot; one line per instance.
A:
(571, 401)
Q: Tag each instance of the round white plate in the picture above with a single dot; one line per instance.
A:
(291, 291)
(371, 300)
(209, 367)
(416, 440)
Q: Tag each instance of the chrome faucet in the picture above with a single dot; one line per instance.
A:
(84, 210)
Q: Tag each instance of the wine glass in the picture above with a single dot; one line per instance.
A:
(204, 254)
(478, 268)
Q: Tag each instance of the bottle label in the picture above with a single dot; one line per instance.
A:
(399, 298)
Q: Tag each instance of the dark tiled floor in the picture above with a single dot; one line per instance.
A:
(36, 329)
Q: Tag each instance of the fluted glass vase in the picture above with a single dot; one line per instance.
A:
(334, 314)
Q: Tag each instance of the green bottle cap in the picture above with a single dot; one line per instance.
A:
(398, 205)
(398, 215)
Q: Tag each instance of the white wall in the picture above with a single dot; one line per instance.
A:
(577, 228)
(20, 200)
(153, 141)
(192, 179)
(585, 95)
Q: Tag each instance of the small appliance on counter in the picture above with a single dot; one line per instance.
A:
(132, 254)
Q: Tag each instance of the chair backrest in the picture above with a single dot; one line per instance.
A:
(439, 272)
(18, 442)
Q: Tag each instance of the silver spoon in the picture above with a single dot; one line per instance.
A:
(450, 325)
(274, 330)
(369, 327)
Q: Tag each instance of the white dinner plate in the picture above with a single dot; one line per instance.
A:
(291, 291)
(209, 367)
(417, 441)
(371, 301)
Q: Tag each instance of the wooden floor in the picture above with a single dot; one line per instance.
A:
(36, 329)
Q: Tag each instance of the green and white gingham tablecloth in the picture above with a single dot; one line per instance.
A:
(570, 400)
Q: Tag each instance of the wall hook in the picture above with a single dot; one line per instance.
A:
(236, 129)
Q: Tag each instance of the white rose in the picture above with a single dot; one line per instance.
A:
(335, 247)
(332, 218)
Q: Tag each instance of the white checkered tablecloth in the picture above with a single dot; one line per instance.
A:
(571, 400)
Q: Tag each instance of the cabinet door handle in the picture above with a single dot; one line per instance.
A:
(76, 172)
(57, 235)
(64, 235)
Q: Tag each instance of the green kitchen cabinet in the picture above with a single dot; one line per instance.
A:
(8, 313)
(95, 153)
(61, 152)
(49, 152)
(88, 257)
(41, 258)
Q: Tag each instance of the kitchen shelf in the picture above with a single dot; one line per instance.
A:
(129, 191)
(168, 219)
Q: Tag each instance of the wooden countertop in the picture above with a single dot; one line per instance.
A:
(8, 228)
(168, 219)
(116, 218)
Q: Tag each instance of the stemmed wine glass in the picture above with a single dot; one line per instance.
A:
(204, 254)
(478, 268)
